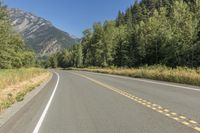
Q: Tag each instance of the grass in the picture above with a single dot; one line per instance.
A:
(16, 83)
(179, 75)
(10, 77)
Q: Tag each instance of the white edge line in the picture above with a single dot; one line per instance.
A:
(153, 82)
(37, 128)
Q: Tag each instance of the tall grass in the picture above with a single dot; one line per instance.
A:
(10, 77)
(16, 83)
(179, 75)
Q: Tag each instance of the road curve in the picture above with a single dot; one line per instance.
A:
(85, 102)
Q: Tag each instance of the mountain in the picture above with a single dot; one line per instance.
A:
(40, 34)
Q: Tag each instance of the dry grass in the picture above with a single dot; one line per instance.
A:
(16, 83)
(179, 75)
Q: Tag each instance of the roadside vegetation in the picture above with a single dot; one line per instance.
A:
(17, 77)
(161, 33)
(179, 75)
(16, 83)
(13, 51)
(150, 32)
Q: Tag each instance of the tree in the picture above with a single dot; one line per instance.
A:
(184, 28)
(53, 62)
(120, 19)
(97, 45)
(108, 42)
(121, 58)
(149, 32)
(13, 52)
(86, 44)
(78, 55)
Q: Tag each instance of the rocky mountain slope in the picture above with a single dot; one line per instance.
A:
(39, 34)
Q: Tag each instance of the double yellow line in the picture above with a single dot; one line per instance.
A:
(170, 114)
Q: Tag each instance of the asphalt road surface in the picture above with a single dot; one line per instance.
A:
(85, 102)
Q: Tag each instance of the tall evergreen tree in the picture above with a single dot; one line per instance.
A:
(149, 32)
(120, 19)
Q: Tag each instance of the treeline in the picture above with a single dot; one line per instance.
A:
(13, 52)
(165, 32)
(66, 58)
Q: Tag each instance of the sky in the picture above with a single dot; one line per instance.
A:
(72, 16)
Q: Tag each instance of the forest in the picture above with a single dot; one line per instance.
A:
(13, 51)
(164, 32)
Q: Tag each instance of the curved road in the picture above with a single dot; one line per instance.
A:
(85, 102)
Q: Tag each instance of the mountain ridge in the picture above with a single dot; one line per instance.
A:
(40, 34)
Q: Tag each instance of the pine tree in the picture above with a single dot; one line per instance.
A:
(120, 19)
(79, 56)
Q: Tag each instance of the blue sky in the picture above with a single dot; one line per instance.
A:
(72, 16)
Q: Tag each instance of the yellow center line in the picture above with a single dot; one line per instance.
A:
(186, 123)
(174, 113)
(193, 121)
(197, 128)
(175, 118)
(183, 117)
(166, 112)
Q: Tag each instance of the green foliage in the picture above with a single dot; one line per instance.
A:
(20, 96)
(13, 53)
(79, 56)
(67, 58)
(150, 32)
(53, 60)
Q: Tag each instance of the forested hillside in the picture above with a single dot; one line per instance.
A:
(165, 32)
(13, 53)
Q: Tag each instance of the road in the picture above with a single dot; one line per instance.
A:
(85, 102)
